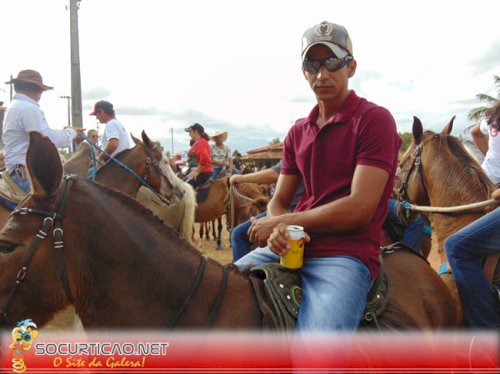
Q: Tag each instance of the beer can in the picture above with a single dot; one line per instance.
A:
(294, 258)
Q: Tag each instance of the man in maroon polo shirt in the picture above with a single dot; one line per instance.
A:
(346, 153)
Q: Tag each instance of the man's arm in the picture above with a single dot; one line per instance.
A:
(266, 176)
(480, 140)
(110, 147)
(343, 214)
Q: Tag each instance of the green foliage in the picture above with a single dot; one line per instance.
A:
(275, 141)
(406, 137)
(477, 114)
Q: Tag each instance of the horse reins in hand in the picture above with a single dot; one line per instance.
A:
(234, 191)
(449, 209)
(150, 160)
(51, 219)
(407, 205)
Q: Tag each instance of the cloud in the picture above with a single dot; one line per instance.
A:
(98, 93)
(488, 61)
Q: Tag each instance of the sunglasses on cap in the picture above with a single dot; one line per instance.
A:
(331, 64)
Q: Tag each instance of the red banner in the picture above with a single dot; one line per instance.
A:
(149, 352)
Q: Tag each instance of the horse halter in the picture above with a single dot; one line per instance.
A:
(416, 166)
(51, 219)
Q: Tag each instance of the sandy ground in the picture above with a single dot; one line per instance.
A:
(67, 319)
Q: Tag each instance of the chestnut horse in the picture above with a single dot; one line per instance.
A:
(438, 171)
(168, 283)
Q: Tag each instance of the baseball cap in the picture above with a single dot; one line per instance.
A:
(330, 34)
(197, 127)
(103, 105)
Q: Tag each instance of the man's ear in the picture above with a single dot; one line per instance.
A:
(351, 68)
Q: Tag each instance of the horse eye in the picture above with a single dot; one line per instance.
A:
(7, 247)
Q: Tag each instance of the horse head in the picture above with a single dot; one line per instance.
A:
(34, 265)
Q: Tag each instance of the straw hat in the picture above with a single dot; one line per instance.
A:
(222, 134)
(30, 76)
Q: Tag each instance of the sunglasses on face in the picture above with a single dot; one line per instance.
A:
(331, 64)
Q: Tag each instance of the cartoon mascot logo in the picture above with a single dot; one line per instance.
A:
(22, 340)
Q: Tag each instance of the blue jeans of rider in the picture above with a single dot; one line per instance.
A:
(414, 233)
(334, 290)
(465, 250)
(23, 183)
(239, 238)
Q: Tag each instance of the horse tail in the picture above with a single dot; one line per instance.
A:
(187, 224)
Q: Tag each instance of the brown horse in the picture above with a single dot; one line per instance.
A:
(148, 163)
(245, 201)
(169, 284)
(214, 207)
(438, 171)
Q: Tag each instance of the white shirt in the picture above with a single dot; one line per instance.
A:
(491, 163)
(115, 130)
(22, 116)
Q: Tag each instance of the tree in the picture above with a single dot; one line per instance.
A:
(477, 114)
(275, 141)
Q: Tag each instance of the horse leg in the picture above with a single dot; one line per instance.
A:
(214, 230)
(219, 233)
(207, 230)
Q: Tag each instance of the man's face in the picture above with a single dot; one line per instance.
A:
(328, 85)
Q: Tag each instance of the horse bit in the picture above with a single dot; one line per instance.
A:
(51, 219)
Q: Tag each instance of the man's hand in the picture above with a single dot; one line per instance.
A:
(278, 241)
(496, 194)
(236, 179)
(77, 139)
(261, 229)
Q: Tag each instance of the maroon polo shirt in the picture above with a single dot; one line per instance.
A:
(361, 133)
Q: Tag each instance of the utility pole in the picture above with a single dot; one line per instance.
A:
(172, 138)
(76, 84)
(68, 98)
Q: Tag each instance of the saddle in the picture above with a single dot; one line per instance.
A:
(10, 193)
(203, 190)
(279, 295)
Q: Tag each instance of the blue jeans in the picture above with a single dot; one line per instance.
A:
(239, 238)
(334, 290)
(413, 233)
(23, 183)
(465, 250)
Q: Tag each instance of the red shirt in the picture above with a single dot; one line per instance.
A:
(361, 133)
(201, 150)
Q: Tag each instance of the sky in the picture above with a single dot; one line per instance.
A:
(235, 65)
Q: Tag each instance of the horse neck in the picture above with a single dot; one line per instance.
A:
(116, 176)
(446, 189)
(133, 271)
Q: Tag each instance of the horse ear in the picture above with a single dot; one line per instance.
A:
(44, 166)
(449, 126)
(136, 141)
(146, 140)
(418, 130)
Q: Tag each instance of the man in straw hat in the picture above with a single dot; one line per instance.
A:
(345, 152)
(221, 154)
(23, 116)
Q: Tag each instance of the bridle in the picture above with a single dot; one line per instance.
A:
(51, 219)
(415, 167)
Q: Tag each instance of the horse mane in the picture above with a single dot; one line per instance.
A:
(466, 171)
(118, 156)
